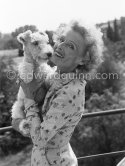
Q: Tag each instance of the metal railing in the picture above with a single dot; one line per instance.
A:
(3, 129)
(110, 154)
(90, 115)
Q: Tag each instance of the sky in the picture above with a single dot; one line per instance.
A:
(48, 14)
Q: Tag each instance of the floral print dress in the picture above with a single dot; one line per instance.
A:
(62, 110)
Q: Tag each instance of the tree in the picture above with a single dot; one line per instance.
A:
(22, 29)
(13, 141)
(110, 76)
(100, 134)
(11, 44)
(110, 33)
(116, 31)
(10, 41)
(3, 40)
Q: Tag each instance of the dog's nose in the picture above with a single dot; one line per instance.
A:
(49, 54)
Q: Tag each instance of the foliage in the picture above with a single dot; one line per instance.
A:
(110, 75)
(8, 89)
(22, 29)
(9, 41)
(9, 141)
(92, 135)
(110, 32)
(100, 134)
(116, 50)
(3, 40)
(116, 31)
(113, 33)
(11, 44)
(103, 134)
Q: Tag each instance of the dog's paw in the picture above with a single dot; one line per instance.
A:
(24, 126)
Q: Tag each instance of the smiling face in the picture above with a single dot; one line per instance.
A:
(68, 51)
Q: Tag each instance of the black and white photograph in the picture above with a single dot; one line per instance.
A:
(62, 83)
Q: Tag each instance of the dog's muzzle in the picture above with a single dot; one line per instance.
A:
(49, 54)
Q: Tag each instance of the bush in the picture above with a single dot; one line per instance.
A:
(100, 134)
(9, 142)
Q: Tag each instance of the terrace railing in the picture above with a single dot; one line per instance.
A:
(90, 115)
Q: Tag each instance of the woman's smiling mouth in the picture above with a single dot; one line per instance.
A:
(58, 54)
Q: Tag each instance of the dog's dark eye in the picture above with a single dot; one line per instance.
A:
(35, 43)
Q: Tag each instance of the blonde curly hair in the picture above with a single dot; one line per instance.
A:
(93, 54)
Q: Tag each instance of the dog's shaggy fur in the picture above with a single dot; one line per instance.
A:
(36, 48)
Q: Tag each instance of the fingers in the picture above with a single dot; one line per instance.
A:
(22, 83)
(18, 80)
(33, 85)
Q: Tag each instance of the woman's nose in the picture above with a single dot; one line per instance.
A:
(58, 47)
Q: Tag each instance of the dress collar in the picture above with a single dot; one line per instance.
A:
(64, 78)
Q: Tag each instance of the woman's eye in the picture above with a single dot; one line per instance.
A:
(35, 43)
(71, 46)
(61, 39)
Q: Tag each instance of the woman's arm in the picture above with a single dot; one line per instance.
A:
(60, 112)
(19, 123)
(63, 107)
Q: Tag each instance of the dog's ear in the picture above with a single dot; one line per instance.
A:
(45, 36)
(20, 38)
(27, 33)
(23, 37)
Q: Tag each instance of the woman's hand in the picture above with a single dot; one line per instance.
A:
(29, 89)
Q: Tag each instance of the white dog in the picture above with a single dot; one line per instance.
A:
(36, 50)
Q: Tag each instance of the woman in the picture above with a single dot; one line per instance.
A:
(77, 51)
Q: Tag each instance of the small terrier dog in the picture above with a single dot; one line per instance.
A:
(36, 53)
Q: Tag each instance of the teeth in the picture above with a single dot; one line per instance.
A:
(59, 55)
